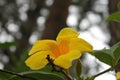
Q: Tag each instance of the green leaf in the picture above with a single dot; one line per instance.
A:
(3, 76)
(87, 78)
(104, 56)
(7, 45)
(109, 56)
(116, 52)
(76, 69)
(81, 78)
(118, 5)
(19, 65)
(114, 17)
(38, 75)
(90, 78)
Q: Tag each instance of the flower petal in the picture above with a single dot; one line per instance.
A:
(65, 61)
(67, 33)
(37, 60)
(42, 45)
(80, 44)
(118, 75)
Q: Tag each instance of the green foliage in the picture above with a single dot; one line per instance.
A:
(88, 78)
(7, 45)
(109, 56)
(21, 66)
(4, 76)
(118, 5)
(116, 52)
(38, 75)
(18, 66)
(104, 56)
(76, 69)
(114, 17)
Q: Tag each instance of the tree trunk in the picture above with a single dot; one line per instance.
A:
(114, 27)
(57, 19)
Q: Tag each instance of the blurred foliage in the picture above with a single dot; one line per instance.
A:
(118, 5)
(7, 45)
(114, 17)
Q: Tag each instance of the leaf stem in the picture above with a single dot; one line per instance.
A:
(17, 74)
(102, 72)
(67, 76)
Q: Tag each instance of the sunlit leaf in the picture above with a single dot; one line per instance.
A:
(109, 56)
(114, 17)
(104, 56)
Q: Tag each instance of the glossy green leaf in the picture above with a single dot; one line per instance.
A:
(104, 56)
(114, 17)
(38, 75)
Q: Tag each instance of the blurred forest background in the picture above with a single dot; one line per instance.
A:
(22, 22)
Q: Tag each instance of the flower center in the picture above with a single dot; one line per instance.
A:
(59, 49)
(63, 47)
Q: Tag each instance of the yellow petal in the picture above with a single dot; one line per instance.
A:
(118, 75)
(80, 44)
(37, 60)
(42, 45)
(67, 33)
(65, 61)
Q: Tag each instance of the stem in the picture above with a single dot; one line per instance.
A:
(16, 74)
(102, 72)
(67, 76)
(57, 68)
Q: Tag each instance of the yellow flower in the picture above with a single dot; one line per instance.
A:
(63, 51)
(118, 75)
